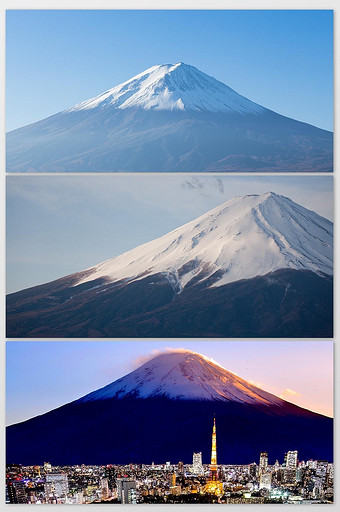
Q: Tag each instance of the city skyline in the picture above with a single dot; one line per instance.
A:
(217, 42)
(290, 480)
(299, 372)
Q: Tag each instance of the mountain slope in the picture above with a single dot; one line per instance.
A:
(184, 375)
(125, 423)
(169, 118)
(242, 238)
(254, 266)
(172, 87)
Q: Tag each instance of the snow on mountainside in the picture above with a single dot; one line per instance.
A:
(245, 237)
(172, 87)
(184, 375)
(169, 118)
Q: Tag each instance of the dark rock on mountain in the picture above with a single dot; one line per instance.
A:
(285, 303)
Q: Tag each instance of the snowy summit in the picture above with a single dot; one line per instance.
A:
(172, 87)
(184, 375)
(245, 237)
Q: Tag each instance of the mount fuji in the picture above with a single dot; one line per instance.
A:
(169, 118)
(258, 265)
(162, 411)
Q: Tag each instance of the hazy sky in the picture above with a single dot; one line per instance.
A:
(57, 225)
(280, 59)
(59, 372)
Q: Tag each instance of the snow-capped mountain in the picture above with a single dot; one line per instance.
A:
(172, 87)
(259, 265)
(169, 118)
(245, 237)
(184, 375)
(164, 411)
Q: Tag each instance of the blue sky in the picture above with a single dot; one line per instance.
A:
(59, 372)
(57, 225)
(280, 59)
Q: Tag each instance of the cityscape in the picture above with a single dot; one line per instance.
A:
(287, 481)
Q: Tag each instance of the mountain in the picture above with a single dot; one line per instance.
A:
(169, 118)
(258, 265)
(244, 237)
(184, 375)
(163, 411)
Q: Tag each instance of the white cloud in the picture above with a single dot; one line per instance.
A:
(289, 393)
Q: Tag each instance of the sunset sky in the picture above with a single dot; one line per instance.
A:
(44, 375)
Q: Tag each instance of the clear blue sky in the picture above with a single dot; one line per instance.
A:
(57, 225)
(59, 372)
(280, 59)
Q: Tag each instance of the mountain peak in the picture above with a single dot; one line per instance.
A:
(244, 237)
(184, 375)
(172, 87)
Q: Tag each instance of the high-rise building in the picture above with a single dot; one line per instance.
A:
(8, 498)
(197, 466)
(213, 485)
(292, 460)
(132, 496)
(300, 472)
(56, 485)
(126, 491)
(321, 469)
(290, 471)
(10, 493)
(180, 468)
(17, 492)
(330, 471)
(253, 470)
(266, 480)
(263, 462)
(317, 490)
(110, 474)
(213, 464)
(311, 464)
(104, 488)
